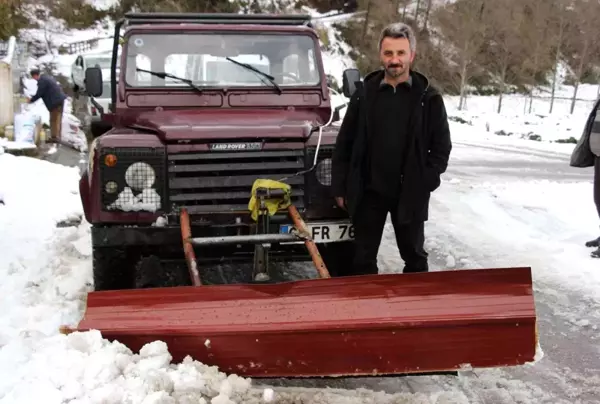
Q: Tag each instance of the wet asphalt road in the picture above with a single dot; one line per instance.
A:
(67, 156)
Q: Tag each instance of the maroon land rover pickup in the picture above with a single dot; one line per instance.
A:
(203, 105)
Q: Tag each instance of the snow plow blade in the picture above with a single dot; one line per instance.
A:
(349, 326)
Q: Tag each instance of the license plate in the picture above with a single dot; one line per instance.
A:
(326, 232)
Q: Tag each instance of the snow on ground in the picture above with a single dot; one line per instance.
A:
(38, 283)
(46, 273)
(539, 223)
(515, 121)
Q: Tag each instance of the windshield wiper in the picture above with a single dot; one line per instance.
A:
(164, 75)
(255, 70)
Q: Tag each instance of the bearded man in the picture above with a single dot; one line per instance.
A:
(393, 145)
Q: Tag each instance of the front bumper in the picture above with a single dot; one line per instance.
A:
(118, 236)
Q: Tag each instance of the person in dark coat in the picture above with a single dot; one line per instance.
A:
(392, 147)
(54, 98)
(592, 132)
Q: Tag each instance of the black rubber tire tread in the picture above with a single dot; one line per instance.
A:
(113, 268)
(150, 272)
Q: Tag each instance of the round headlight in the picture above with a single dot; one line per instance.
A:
(323, 172)
(140, 176)
(111, 187)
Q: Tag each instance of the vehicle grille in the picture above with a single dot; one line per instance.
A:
(206, 182)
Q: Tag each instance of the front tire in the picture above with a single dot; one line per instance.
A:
(151, 272)
(113, 268)
(75, 88)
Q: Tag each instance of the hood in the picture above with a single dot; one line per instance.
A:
(227, 124)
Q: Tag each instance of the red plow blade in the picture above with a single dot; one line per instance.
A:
(366, 325)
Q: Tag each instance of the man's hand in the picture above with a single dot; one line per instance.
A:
(28, 99)
(341, 202)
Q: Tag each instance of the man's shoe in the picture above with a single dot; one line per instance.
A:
(593, 243)
(595, 253)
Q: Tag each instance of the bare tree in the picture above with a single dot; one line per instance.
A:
(583, 39)
(367, 20)
(507, 43)
(534, 34)
(462, 24)
(417, 8)
(560, 8)
(505, 49)
(427, 14)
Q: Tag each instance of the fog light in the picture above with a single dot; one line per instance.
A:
(111, 187)
(323, 172)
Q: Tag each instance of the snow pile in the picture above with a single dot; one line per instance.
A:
(44, 270)
(84, 368)
(46, 273)
(25, 185)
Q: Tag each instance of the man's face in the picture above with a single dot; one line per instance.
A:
(35, 76)
(395, 56)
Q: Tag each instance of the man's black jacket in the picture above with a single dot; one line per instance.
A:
(49, 91)
(427, 153)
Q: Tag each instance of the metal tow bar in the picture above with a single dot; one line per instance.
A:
(301, 234)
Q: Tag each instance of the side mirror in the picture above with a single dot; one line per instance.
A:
(93, 81)
(350, 78)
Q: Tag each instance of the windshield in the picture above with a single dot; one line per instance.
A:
(203, 59)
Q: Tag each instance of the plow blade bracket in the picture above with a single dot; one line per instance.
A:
(364, 325)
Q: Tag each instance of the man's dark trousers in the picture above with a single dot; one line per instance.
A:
(597, 183)
(369, 223)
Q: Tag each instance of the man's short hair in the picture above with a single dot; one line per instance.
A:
(34, 72)
(399, 30)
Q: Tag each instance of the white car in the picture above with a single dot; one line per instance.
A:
(102, 60)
